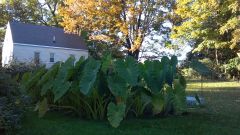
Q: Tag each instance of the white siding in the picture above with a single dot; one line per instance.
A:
(25, 53)
(7, 49)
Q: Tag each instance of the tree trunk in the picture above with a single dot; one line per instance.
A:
(128, 45)
(216, 56)
(134, 54)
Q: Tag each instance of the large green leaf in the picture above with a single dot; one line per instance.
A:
(77, 71)
(179, 101)
(116, 113)
(174, 61)
(26, 76)
(79, 62)
(182, 81)
(165, 60)
(117, 86)
(169, 77)
(200, 67)
(128, 70)
(46, 87)
(146, 100)
(153, 76)
(49, 74)
(46, 82)
(65, 69)
(89, 75)
(42, 107)
(106, 63)
(158, 103)
(141, 68)
(175, 97)
(32, 82)
(61, 84)
(101, 84)
(61, 90)
(23, 83)
(169, 69)
(169, 99)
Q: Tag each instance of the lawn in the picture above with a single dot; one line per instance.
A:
(220, 116)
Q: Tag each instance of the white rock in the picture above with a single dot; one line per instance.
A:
(192, 101)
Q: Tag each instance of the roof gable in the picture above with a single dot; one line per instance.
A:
(44, 35)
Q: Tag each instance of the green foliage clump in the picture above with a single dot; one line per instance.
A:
(233, 67)
(190, 73)
(209, 24)
(109, 88)
(11, 103)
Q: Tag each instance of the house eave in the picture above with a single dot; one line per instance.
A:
(44, 46)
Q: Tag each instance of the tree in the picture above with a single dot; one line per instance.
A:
(209, 24)
(118, 22)
(29, 11)
(47, 9)
(98, 50)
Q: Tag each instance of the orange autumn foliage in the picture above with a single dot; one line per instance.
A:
(121, 22)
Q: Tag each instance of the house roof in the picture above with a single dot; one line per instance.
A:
(44, 36)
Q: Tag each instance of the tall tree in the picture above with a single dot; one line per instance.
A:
(48, 11)
(42, 12)
(119, 22)
(209, 24)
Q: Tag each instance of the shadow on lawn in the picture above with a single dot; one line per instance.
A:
(224, 101)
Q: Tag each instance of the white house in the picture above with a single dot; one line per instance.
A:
(40, 44)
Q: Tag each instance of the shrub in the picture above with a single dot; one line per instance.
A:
(11, 108)
(233, 67)
(190, 73)
(197, 69)
(18, 68)
(108, 88)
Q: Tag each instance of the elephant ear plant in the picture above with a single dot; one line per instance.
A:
(162, 81)
(108, 88)
(123, 77)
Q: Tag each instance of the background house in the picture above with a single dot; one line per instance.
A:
(40, 44)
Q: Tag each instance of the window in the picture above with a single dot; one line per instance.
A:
(51, 57)
(37, 58)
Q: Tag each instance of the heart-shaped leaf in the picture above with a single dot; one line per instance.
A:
(42, 108)
(116, 113)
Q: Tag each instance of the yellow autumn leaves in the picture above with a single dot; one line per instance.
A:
(209, 21)
(111, 21)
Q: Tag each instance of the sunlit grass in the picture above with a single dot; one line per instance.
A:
(212, 85)
(221, 97)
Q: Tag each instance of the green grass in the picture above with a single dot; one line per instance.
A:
(213, 85)
(223, 98)
(221, 116)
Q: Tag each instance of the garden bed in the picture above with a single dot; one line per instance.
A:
(220, 116)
